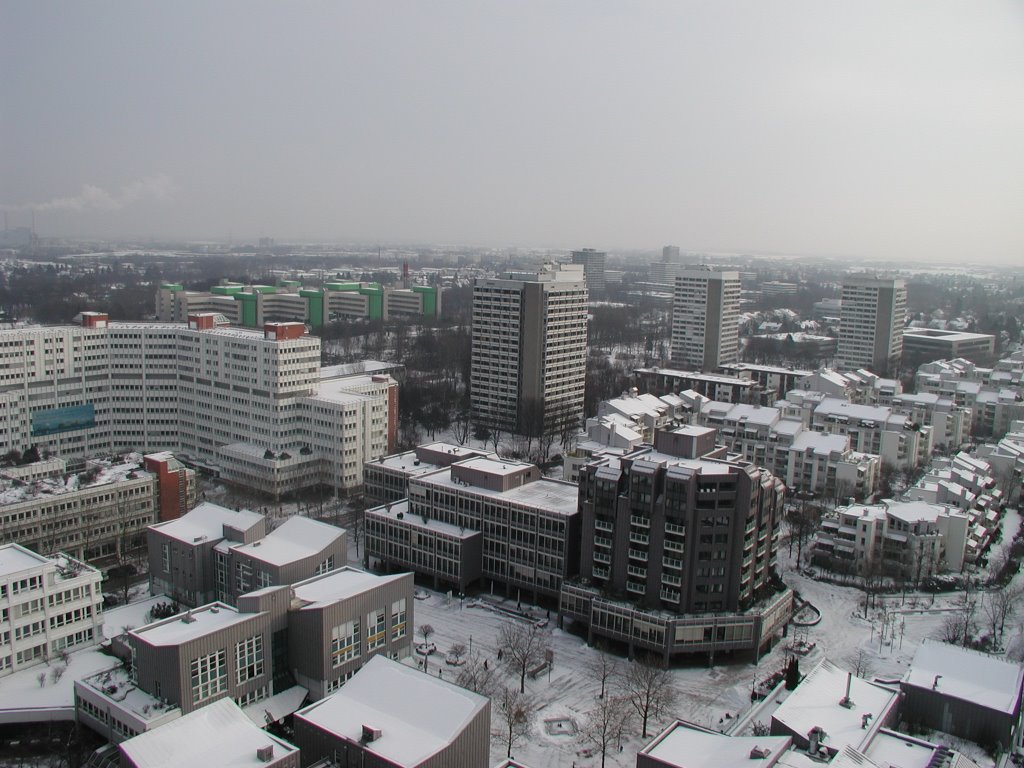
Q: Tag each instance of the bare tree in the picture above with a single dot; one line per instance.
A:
(514, 710)
(860, 663)
(425, 630)
(955, 628)
(478, 675)
(457, 652)
(603, 668)
(524, 647)
(606, 723)
(998, 605)
(462, 422)
(648, 688)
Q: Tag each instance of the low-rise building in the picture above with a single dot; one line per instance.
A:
(687, 745)
(215, 553)
(911, 539)
(923, 345)
(217, 735)
(962, 692)
(387, 478)
(393, 715)
(529, 527)
(48, 605)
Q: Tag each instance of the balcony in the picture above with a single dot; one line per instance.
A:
(636, 587)
(636, 570)
(672, 562)
(674, 581)
(670, 595)
(601, 557)
(640, 521)
(674, 546)
(638, 554)
(676, 529)
(602, 541)
(603, 525)
(600, 572)
(639, 538)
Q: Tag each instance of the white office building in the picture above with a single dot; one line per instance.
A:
(529, 358)
(874, 312)
(251, 404)
(705, 319)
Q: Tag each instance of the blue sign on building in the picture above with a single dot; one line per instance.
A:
(55, 420)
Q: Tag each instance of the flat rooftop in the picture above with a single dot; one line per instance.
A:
(14, 559)
(399, 510)
(967, 675)
(556, 496)
(218, 734)
(418, 715)
(684, 745)
(192, 624)
(339, 584)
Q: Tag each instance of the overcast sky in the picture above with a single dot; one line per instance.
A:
(875, 129)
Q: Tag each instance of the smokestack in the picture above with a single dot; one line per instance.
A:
(845, 701)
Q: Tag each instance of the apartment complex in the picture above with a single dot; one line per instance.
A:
(251, 405)
(215, 553)
(99, 513)
(47, 605)
(529, 354)
(873, 314)
(705, 319)
(303, 640)
(481, 518)
(593, 263)
(254, 305)
(912, 539)
(995, 396)
(677, 549)
(392, 715)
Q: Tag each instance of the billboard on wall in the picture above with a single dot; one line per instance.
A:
(55, 420)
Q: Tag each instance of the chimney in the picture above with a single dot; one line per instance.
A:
(814, 738)
(845, 701)
(265, 754)
(935, 682)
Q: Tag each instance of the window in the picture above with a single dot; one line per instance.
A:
(325, 566)
(249, 654)
(165, 557)
(264, 579)
(345, 642)
(398, 619)
(376, 629)
(209, 676)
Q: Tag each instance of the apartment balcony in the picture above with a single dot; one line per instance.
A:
(603, 525)
(602, 541)
(636, 570)
(640, 521)
(638, 554)
(602, 557)
(601, 572)
(639, 538)
(675, 546)
(670, 595)
(674, 581)
(636, 587)
(672, 562)
(676, 529)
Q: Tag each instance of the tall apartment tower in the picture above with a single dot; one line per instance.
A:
(593, 269)
(705, 318)
(871, 322)
(529, 357)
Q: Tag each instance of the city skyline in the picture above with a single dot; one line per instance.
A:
(810, 128)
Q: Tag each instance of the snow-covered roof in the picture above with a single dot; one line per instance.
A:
(968, 675)
(917, 511)
(554, 496)
(339, 584)
(689, 746)
(206, 522)
(418, 715)
(105, 473)
(820, 442)
(816, 703)
(218, 734)
(296, 538)
(191, 624)
(14, 558)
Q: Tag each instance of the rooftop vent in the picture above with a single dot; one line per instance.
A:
(188, 618)
(265, 754)
(371, 734)
(759, 753)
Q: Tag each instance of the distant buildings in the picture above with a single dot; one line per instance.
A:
(253, 406)
(873, 314)
(995, 396)
(593, 270)
(529, 354)
(50, 605)
(924, 345)
(705, 319)
(254, 305)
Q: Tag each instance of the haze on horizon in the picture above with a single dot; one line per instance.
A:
(874, 129)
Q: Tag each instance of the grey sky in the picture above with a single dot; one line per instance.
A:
(881, 129)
